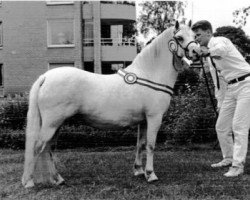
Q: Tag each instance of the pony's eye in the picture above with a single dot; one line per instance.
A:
(180, 39)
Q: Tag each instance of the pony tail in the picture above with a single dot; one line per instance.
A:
(32, 132)
(33, 117)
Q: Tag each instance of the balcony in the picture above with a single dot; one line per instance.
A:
(118, 11)
(112, 49)
(114, 12)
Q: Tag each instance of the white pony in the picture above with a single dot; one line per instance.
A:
(139, 94)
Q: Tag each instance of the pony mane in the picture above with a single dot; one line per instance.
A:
(152, 51)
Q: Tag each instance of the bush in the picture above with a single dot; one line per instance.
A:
(191, 118)
(13, 139)
(13, 112)
(85, 136)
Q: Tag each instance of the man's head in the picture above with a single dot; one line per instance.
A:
(203, 32)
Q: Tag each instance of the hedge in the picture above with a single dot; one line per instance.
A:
(190, 119)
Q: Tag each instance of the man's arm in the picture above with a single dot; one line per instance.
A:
(217, 50)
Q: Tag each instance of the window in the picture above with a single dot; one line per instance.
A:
(111, 68)
(116, 67)
(61, 33)
(88, 33)
(56, 65)
(116, 34)
(89, 66)
(1, 34)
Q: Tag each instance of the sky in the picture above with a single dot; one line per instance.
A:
(218, 12)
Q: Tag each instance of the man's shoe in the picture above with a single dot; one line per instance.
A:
(234, 171)
(223, 163)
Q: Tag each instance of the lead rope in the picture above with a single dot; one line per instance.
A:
(210, 96)
(208, 88)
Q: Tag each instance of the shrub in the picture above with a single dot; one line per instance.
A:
(13, 112)
(13, 139)
(191, 117)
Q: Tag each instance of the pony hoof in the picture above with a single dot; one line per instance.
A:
(151, 177)
(139, 172)
(60, 180)
(29, 184)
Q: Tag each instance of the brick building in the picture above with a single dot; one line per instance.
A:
(36, 36)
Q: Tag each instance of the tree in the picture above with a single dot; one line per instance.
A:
(159, 15)
(237, 36)
(240, 16)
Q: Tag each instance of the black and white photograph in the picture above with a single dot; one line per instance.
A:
(124, 100)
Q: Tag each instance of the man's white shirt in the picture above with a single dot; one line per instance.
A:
(227, 58)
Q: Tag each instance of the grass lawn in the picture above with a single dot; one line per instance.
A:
(183, 174)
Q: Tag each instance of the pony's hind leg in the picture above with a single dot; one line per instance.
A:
(45, 169)
(141, 142)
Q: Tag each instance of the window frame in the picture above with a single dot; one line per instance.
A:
(88, 41)
(54, 2)
(60, 63)
(49, 36)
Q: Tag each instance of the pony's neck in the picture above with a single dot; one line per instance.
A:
(155, 62)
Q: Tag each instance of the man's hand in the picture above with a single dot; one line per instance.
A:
(204, 51)
(201, 51)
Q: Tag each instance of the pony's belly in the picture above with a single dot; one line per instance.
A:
(113, 121)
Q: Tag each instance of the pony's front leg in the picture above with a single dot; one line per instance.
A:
(141, 142)
(154, 123)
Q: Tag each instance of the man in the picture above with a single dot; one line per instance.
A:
(234, 115)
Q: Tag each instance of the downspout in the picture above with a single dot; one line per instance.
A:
(81, 36)
(97, 36)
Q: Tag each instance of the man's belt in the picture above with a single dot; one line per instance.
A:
(236, 80)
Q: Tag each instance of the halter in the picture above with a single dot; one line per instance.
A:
(179, 45)
(173, 46)
(131, 78)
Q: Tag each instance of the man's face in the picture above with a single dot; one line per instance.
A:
(202, 37)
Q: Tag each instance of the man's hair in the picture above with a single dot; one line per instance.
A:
(203, 25)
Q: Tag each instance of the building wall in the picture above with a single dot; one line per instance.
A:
(25, 54)
(108, 14)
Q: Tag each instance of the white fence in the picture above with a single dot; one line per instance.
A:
(111, 41)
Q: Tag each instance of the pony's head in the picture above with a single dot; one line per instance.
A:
(183, 43)
(170, 47)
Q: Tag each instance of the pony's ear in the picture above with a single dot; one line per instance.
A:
(190, 23)
(177, 25)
